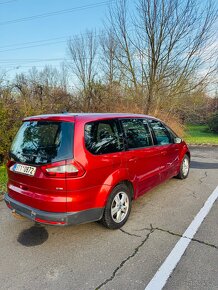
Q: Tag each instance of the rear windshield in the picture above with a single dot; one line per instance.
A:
(42, 142)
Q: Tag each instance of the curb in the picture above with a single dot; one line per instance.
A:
(203, 145)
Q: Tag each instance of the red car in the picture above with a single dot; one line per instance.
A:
(76, 168)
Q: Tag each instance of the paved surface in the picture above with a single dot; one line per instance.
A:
(92, 257)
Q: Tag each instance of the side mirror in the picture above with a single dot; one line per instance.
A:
(177, 140)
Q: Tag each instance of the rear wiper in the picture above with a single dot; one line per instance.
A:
(12, 155)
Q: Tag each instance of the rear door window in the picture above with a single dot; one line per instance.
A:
(137, 133)
(162, 135)
(102, 137)
(42, 142)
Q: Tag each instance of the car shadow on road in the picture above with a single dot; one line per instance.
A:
(203, 165)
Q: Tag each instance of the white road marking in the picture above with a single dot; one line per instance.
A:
(160, 278)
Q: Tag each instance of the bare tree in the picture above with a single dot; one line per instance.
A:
(41, 91)
(163, 44)
(108, 57)
(119, 25)
(83, 54)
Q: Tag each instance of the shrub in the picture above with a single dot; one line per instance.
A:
(10, 121)
(213, 122)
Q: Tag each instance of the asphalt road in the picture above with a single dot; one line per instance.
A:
(92, 257)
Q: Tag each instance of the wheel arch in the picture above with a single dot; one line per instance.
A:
(184, 151)
(188, 154)
(129, 185)
(107, 219)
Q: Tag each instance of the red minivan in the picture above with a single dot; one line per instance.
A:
(76, 168)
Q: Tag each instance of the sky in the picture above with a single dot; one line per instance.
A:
(25, 39)
(35, 32)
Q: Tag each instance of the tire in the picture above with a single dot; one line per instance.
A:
(184, 167)
(118, 202)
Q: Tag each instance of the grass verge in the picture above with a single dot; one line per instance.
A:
(200, 134)
(3, 179)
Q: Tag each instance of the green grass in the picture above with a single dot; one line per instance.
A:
(3, 179)
(199, 134)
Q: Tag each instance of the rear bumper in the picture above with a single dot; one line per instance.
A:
(65, 218)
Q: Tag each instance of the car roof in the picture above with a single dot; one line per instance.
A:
(71, 117)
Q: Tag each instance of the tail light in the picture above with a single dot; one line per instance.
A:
(67, 168)
(10, 163)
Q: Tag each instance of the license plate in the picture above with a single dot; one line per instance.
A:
(25, 169)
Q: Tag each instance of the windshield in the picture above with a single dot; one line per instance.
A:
(42, 142)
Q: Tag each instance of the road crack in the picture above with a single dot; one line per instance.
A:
(151, 230)
(130, 234)
(203, 177)
(181, 236)
(193, 239)
(192, 192)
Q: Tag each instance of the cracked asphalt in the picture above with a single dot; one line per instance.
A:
(92, 257)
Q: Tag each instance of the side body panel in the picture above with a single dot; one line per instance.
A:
(169, 160)
(143, 166)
